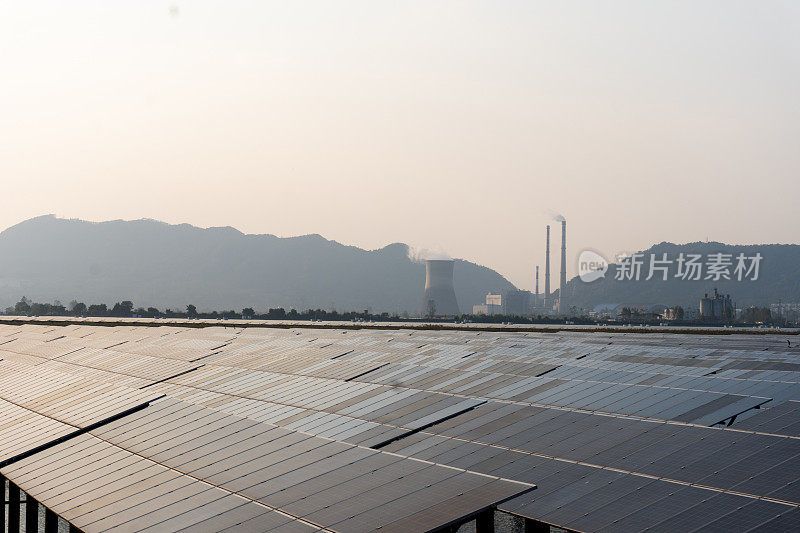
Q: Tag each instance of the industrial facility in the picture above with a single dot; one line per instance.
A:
(513, 302)
(563, 306)
(717, 308)
(439, 298)
(520, 302)
(130, 425)
(546, 303)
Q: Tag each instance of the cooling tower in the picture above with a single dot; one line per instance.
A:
(547, 270)
(562, 301)
(440, 296)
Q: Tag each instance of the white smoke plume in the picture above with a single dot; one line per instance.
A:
(419, 255)
(558, 217)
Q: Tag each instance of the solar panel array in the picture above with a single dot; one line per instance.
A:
(350, 430)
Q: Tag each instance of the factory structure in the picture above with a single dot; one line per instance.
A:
(716, 308)
(544, 304)
(513, 302)
(563, 307)
(439, 297)
(546, 299)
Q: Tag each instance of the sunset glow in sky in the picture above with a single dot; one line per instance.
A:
(454, 125)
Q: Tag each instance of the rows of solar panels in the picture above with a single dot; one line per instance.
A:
(350, 430)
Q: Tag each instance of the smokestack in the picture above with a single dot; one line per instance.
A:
(536, 295)
(547, 268)
(439, 298)
(562, 301)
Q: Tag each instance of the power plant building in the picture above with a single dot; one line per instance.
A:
(439, 298)
(493, 305)
(512, 302)
(547, 303)
(517, 302)
(718, 307)
(563, 306)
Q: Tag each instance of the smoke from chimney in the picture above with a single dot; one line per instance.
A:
(420, 255)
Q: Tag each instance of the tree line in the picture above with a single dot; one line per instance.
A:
(126, 309)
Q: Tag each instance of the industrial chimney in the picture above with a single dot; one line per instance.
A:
(562, 301)
(547, 269)
(439, 298)
(536, 295)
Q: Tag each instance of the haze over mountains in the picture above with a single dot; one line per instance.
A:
(157, 264)
(778, 279)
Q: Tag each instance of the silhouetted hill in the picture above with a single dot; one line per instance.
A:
(157, 264)
(779, 279)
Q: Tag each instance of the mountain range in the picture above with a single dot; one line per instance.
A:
(163, 265)
(156, 264)
(778, 277)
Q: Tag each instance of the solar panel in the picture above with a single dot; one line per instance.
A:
(289, 416)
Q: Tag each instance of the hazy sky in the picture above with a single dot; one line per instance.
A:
(455, 126)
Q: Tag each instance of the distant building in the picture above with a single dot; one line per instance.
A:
(788, 312)
(689, 313)
(439, 298)
(480, 309)
(517, 302)
(508, 303)
(493, 305)
(718, 307)
(494, 299)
